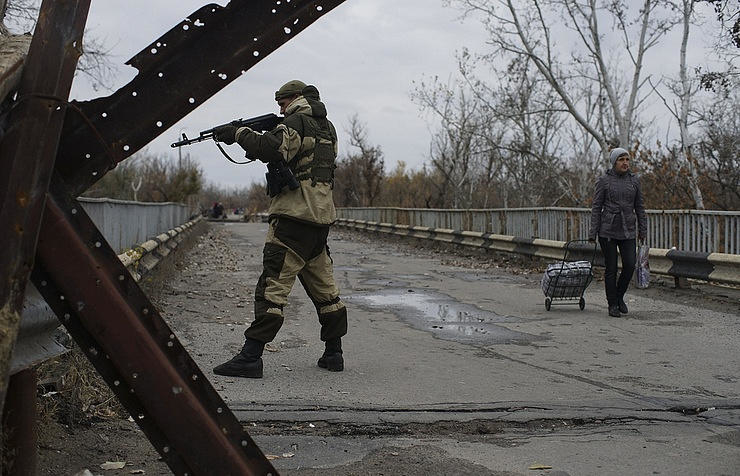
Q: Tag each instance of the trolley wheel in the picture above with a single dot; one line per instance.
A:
(582, 304)
(548, 303)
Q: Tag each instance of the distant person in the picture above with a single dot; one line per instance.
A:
(618, 218)
(218, 210)
(299, 221)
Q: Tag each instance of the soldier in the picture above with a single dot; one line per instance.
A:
(299, 225)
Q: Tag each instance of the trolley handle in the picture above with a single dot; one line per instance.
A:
(569, 246)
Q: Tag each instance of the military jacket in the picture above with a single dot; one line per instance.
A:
(307, 141)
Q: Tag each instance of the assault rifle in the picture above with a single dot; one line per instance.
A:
(262, 123)
(278, 173)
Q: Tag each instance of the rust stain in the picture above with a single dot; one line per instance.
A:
(22, 199)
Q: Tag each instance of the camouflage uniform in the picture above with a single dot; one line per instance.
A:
(296, 244)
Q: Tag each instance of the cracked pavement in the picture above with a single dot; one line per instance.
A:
(453, 366)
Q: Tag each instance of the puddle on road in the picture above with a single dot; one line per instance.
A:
(447, 318)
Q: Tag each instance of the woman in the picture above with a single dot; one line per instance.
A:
(616, 215)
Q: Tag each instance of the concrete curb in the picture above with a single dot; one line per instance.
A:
(143, 258)
(718, 267)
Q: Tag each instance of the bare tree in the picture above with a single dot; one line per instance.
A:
(684, 89)
(526, 29)
(95, 62)
(360, 173)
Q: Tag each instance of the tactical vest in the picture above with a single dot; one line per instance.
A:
(321, 164)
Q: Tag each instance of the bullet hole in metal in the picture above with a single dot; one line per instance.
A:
(191, 100)
(160, 74)
(244, 443)
(186, 27)
(295, 22)
(74, 211)
(286, 30)
(195, 377)
(159, 44)
(255, 38)
(66, 317)
(58, 108)
(94, 173)
(198, 23)
(274, 11)
(170, 344)
(134, 93)
(177, 390)
(116, 383)
(141, 416)
(222, 76)
(134, 375)
(93, 351)
(105, 114)
(225, 431)
(61, 297)
(87, 156)
(126, 147)
(43, 283)
(166, 449)
(121, 277)
(159, 123)
(219, 410)
(98, 244)
(145, 311)
(172, 336)
(256, 53)
(154, 51)
(319, 8)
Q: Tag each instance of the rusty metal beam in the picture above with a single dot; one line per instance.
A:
(177, 73)
(27, 154)
(135, 351)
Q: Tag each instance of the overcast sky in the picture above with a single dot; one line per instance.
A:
(363, 56)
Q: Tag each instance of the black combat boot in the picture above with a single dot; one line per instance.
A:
(332, 359)
(614, 310)
(622, 306)
(247, 363)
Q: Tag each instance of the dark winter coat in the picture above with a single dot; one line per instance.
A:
(617, 199)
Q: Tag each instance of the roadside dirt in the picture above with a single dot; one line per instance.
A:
(82, 429)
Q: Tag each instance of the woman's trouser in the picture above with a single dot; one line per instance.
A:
(294, 249)
(616, 288)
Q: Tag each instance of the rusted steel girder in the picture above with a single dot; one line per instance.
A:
(134, 350)
(177, 73)
(27, 154)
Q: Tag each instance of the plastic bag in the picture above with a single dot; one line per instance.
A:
(643, 266)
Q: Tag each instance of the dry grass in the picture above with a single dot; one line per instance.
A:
(72, 392)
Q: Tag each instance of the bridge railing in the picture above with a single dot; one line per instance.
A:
(127, 223)
(703, 231)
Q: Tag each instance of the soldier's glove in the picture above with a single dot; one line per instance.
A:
(225, 134)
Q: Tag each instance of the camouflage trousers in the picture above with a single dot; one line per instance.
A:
(294, 249)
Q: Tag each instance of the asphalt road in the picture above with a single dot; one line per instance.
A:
(453, 366)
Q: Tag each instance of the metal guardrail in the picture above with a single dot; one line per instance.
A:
(700, 231)
(125, 224)
(719, 267)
